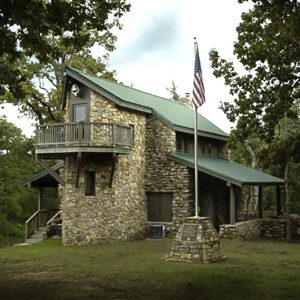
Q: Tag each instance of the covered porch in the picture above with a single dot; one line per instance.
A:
(221, 183)
(47, 200)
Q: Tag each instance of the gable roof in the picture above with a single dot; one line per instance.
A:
(227, 170)
(175, 115)
(43, 178)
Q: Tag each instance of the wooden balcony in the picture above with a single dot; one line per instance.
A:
(59, 140)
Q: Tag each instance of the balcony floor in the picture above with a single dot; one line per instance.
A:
(55, 152)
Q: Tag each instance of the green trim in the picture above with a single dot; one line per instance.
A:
(226, 170)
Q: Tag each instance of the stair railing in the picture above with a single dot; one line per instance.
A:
(31, 224)
(57, 215)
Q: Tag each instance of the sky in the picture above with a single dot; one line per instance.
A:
(156, 47)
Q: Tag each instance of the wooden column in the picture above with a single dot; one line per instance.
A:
(278, 201)
(232, 205)
(260, 202)
(40, 198)
(40, 204)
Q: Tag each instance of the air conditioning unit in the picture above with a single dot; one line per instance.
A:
(157, 232)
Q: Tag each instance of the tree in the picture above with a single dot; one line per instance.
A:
(17, 163)
(34, 53)
(267, 94)
(177, 98)
(173, 92)
(267, 46)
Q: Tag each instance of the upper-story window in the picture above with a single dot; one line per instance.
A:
(206, 147)
(79, 113)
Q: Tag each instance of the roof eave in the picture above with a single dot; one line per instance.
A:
(222, 177)
(200, 133)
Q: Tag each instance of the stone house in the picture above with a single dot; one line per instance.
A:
(129, 163)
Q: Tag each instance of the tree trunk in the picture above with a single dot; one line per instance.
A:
(287, 202)
(253, 202)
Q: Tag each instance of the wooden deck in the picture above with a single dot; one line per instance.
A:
(57, 140)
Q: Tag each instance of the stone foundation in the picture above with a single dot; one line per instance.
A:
(196, 241)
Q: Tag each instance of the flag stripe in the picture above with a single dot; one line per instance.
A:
(198, 90)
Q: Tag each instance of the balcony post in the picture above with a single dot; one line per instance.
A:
(113, 135)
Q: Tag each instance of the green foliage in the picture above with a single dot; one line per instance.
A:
(268, 47)
(33, 53)
(16, 202)
(267, 95)
(173, 92)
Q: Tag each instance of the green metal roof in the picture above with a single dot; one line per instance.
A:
(227, 170)
(178, 116)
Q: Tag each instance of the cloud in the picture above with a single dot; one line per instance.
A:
(157, 35)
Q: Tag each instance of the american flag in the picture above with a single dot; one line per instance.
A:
(198, 90)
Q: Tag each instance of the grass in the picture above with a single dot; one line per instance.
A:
(135, 270)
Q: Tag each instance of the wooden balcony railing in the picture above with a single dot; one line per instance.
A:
(84, 134)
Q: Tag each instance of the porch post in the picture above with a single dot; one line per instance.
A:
(278, 201)
(40, 204)
(260, 202)
(40, 198)
(232, 205)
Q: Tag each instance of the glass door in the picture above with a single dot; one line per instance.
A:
(80, 129)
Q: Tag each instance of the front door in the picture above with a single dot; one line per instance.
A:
(80, 129)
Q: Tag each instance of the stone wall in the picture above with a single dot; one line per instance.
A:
(295, 227)
(165, 175)
(273, 228)
(247, 230)
(269, 228)
(116, 212)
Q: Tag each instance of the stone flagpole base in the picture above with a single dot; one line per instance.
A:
(196, 241)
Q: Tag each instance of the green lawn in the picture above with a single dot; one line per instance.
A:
(136, 270)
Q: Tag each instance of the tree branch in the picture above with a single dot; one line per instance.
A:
(48, 107)
(36, 111)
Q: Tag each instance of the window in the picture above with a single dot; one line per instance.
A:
(90, 183)
(160, 207)
(79, 113)
(180, 143)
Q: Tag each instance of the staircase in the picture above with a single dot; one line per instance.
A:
(38, 235)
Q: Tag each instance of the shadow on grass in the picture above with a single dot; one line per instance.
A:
(135, 270)
(229, 283)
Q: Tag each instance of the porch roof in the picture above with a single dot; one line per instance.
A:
(227, 170)
(177, 116)
(43, 178)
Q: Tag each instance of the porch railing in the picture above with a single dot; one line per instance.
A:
(93, 134)
(38, 219)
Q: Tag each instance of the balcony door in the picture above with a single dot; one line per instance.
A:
(80, 130)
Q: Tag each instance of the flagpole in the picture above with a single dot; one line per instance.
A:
(196, 147)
